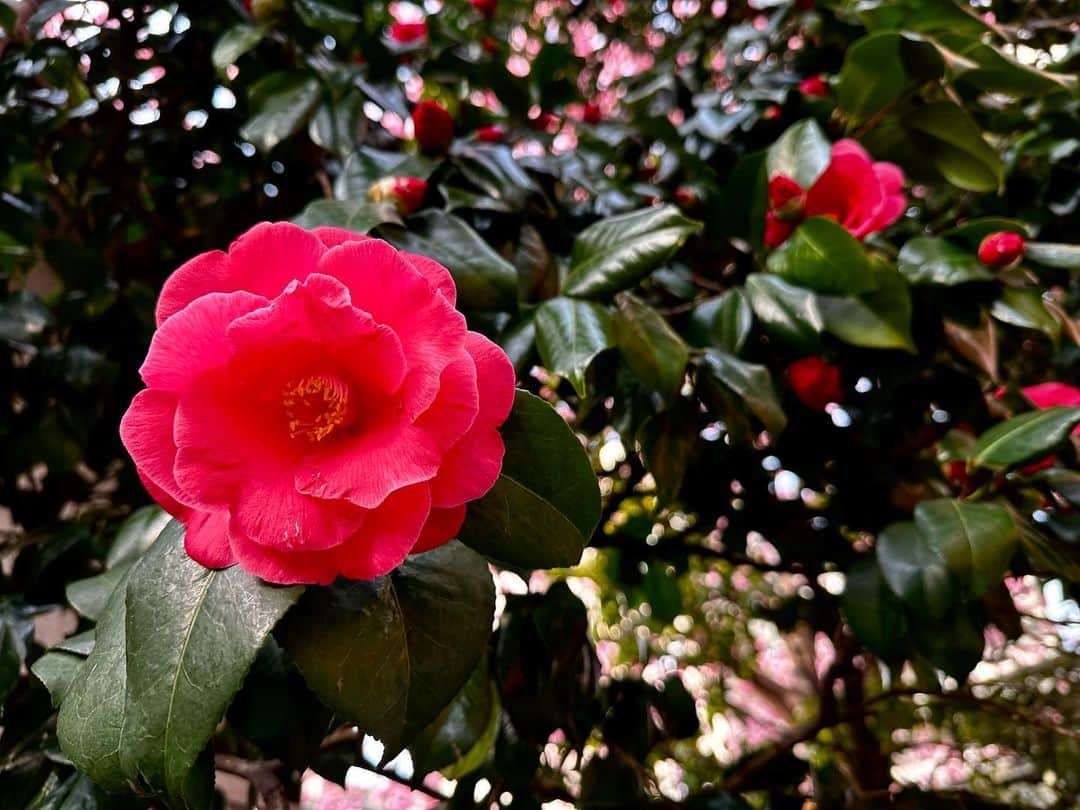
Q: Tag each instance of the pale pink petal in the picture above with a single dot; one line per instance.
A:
(192, 341)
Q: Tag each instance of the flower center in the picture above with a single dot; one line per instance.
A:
(315, 406)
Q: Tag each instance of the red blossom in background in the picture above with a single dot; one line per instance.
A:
(315, 405)
(486, 8)
(406, 193)
(863, 195)
(1001, 249)
(490, 134)
(405, 33)
(814, 86)
(591, 114)
(816, 382)
(433, 127)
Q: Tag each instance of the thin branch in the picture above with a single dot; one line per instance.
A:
(262, 775)
(411, 784)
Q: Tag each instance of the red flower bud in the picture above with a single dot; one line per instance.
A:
(545, 122)
(816, 382)
(686, 197)
(490, 134)
(433, 127)
(485, 7)
(772, 112)
(406, 32)
(406, 193)
(1001, 249)
(814, 86)
(804, 5)
(489, 45)
(591, 113)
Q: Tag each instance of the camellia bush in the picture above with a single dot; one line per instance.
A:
(539, 404)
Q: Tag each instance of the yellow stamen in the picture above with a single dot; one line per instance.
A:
(315, 406)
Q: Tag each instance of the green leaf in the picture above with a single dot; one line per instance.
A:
(234, 43)
(1053, 254)
(484, 279)
(338, 18)
(89, 596)
(953, 644)
(352, 215)
(822, 256)
(652, 350)
(802, 153)
(366, 165)
(23, 318)
(569, 334)
(191, 636)
(1023, 307)
(723, 322)
(666, 440)
(976, 540)
(92, 716)
(1022, 438)
(753, 383)
(916, 571)
(16, 629)
(338, 124)
(872, 77)
(880, 319)
(136, 535)
(873, 611)
(954, 144)
(57, 670)
(546, 503)
(492, 169)
(77, 792)
(389, 654)
(934, 260)
(282, 104)
(615, 253)
(785, 311)
(462, 736)
(973, 231)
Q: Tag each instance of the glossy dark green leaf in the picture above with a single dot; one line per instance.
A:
(286, 101)
(56, 670)
(872, 77)
(461, 737)
(934, 260)
(971, 233)
(389, 654)
(802, 153)
(484, 279)
(987, 68)
(615, 253)
(666, 440)
(492, 169)
(546, 503)
(76, 792)
(136, 535)
(1064, 482)
(976, 540)
(723, 322)
(191, 634)
(358, 216)
(785, 311)
(953, 644)
(23, 318)
(1053, 254)
(366, 165)
(1023, 307)
(915, 570)
(954, 144)
(234, 43)
(1024, 437)
(16, 629)
(873, 611)
(338, 17)
(338, 124)
(753, 384)
(569, 334)
(822, 256)
(879, 319)
(89, 596)
(652, 350)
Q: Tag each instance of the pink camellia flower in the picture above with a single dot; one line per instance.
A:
(814, 86)
(405, 33)
(315, 405)
(862, 195)
(1002, 249)
(490, 134)
(816, 382)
